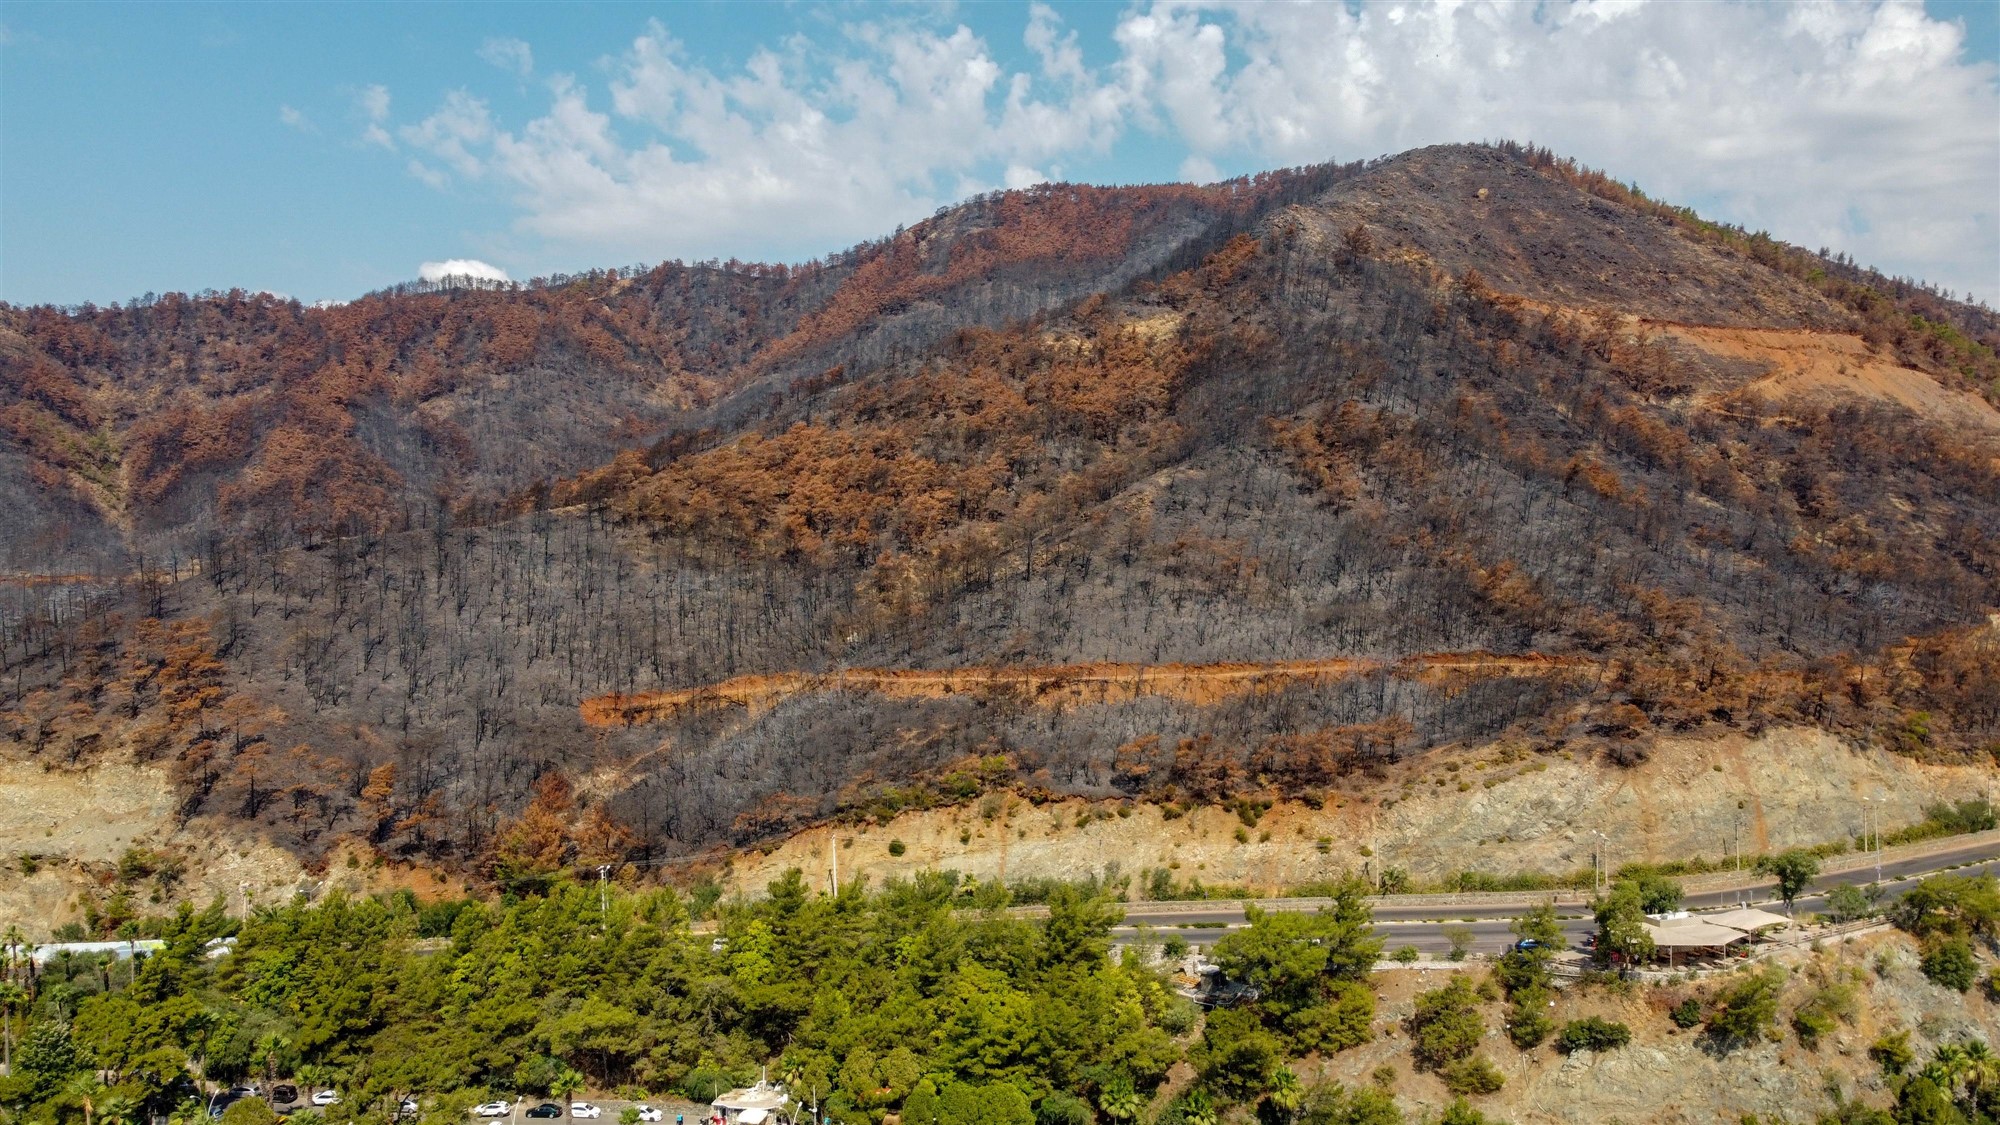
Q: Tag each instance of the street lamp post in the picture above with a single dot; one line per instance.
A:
(1603, 860)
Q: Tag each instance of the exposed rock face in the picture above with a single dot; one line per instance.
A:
(1539, 813)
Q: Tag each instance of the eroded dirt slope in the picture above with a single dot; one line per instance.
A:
(1498, 810)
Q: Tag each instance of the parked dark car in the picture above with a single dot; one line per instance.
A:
(284, 1094)
(546, 1109)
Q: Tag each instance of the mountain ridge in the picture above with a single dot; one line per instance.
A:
(1280, 421)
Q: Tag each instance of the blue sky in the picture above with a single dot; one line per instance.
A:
(324, 150)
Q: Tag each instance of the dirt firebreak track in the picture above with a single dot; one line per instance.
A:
(1068, 685)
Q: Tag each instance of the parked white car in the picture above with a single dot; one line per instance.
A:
(326, 1097)
(494, 1109)
(648, 1113)
(585, 1109)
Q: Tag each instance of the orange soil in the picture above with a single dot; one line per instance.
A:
(1060, 687)
(1802, 361)
(1805, 361)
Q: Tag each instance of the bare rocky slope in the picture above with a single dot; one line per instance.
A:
(1495, 810)
(1668, 1076)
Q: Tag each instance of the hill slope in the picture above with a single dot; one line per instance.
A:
(1467, 404)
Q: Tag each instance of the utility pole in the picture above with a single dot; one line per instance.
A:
(1870, 809)
(603, 897)
(1740, 901)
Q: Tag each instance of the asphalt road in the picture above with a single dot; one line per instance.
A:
(1428, 927)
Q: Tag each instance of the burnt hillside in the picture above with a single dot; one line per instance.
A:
(138, 430)
(1618, 471)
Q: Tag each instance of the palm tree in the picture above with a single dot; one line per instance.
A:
(10, 949)
(311, 1076)
(129, 931)
(1287, 1094)
(1946, 1065)
(117, 1109)
(567, 1083)
(1982, 1071)
(273, 1047)
(11, 994)
(85, 1090)
(1197, 1109)
(1119, 1101)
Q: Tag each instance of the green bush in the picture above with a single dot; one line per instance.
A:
(1847, 902)
(996, 1103)
(1178, 1016)
(896, 847)
(1830, 1003)
(1592, 1033)
(1446, 1026)
(1407, 954)
(249, 1111)
(1951, 906)
(1191, 1108)
(1345, 1019)
(1949, 962)
(1686, 1014)
(1472, 1075)
(1748, 1009)
(1236, 1057)
(1893, 1051)
(1334, 1104)
(1947, 820)
(1529, 1022)
(1921, 1102)
(1811, 1024)
(1061, 1108)
(1460, 937)
(1527, 1027)
(1460, 1112)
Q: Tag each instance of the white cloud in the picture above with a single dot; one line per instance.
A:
(428, 175)
(460, 267)
(828, 147)
(451, 134)
(373, 102)
(293, 119)
(511, 55)
(1197, 169)
(1858, 126)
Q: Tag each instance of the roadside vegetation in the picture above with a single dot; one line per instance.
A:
(869, 1003)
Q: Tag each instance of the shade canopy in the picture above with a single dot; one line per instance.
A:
(1692, 933)
(1749, 919)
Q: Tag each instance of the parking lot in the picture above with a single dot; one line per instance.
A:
(669, 1107)
(610, 1109)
